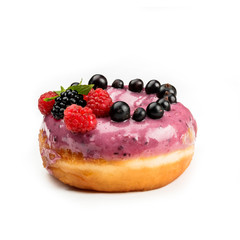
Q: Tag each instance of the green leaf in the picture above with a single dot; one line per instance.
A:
(49, 99)
(62, 89)
(58, 92)
(80, 82)
(82, 89)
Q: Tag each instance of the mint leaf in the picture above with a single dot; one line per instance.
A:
(58, 92)
(62, 89)
(50, 99)
(82, 89)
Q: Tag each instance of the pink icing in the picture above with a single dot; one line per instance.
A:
(112, 141)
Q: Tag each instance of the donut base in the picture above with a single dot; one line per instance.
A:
(137, 174)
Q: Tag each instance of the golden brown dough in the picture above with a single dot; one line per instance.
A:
(118, 176)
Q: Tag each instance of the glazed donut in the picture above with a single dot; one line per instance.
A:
(121, 156)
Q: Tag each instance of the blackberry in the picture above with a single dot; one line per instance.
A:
(66, 99)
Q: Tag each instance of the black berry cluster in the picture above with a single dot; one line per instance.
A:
(166, 93)
(66, 99)
(120, 110)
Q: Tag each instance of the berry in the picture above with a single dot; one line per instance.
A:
(118, 83)
(155, 110)
(135, 85)
(166, 88)
(99, 101)
(99, 81)
(46, 107)
(78, 119)
(152, 86)
(170, 97)
(120, 111)
(75, 84)
(164, 103)
(66, 99)
(139, 114)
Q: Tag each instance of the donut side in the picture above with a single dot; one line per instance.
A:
(136, 174)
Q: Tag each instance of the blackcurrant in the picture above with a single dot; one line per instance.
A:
(119, 111)
(139, 114)
(135, 85)
(169, 86)
(152, 86)
(75, 84)
(171, 98)
(164, 103)
(118, 83)
(99, 81)
(155, 110)
(166, 88)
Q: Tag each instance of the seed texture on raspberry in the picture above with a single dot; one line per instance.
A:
(46, 107)
(78, 119)
(99, 101)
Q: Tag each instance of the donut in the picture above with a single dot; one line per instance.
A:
(130, 138)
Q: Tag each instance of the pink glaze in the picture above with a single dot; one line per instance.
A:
(113, 141)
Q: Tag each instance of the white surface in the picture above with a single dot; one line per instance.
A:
(194, 45)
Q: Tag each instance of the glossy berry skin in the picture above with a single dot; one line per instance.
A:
(171, 98)
(75, 84)
(66, 99)
(165, 104)
(135, 85)
(166, 88)
(155, 110)
(120, 111)
(99, 81)
(152, 86)
(139, 114)
(118, 83)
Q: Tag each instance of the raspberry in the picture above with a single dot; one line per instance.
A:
(79, 119)
(99, 101)
(46, 107)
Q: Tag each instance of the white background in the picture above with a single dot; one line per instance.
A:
(195, 45)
